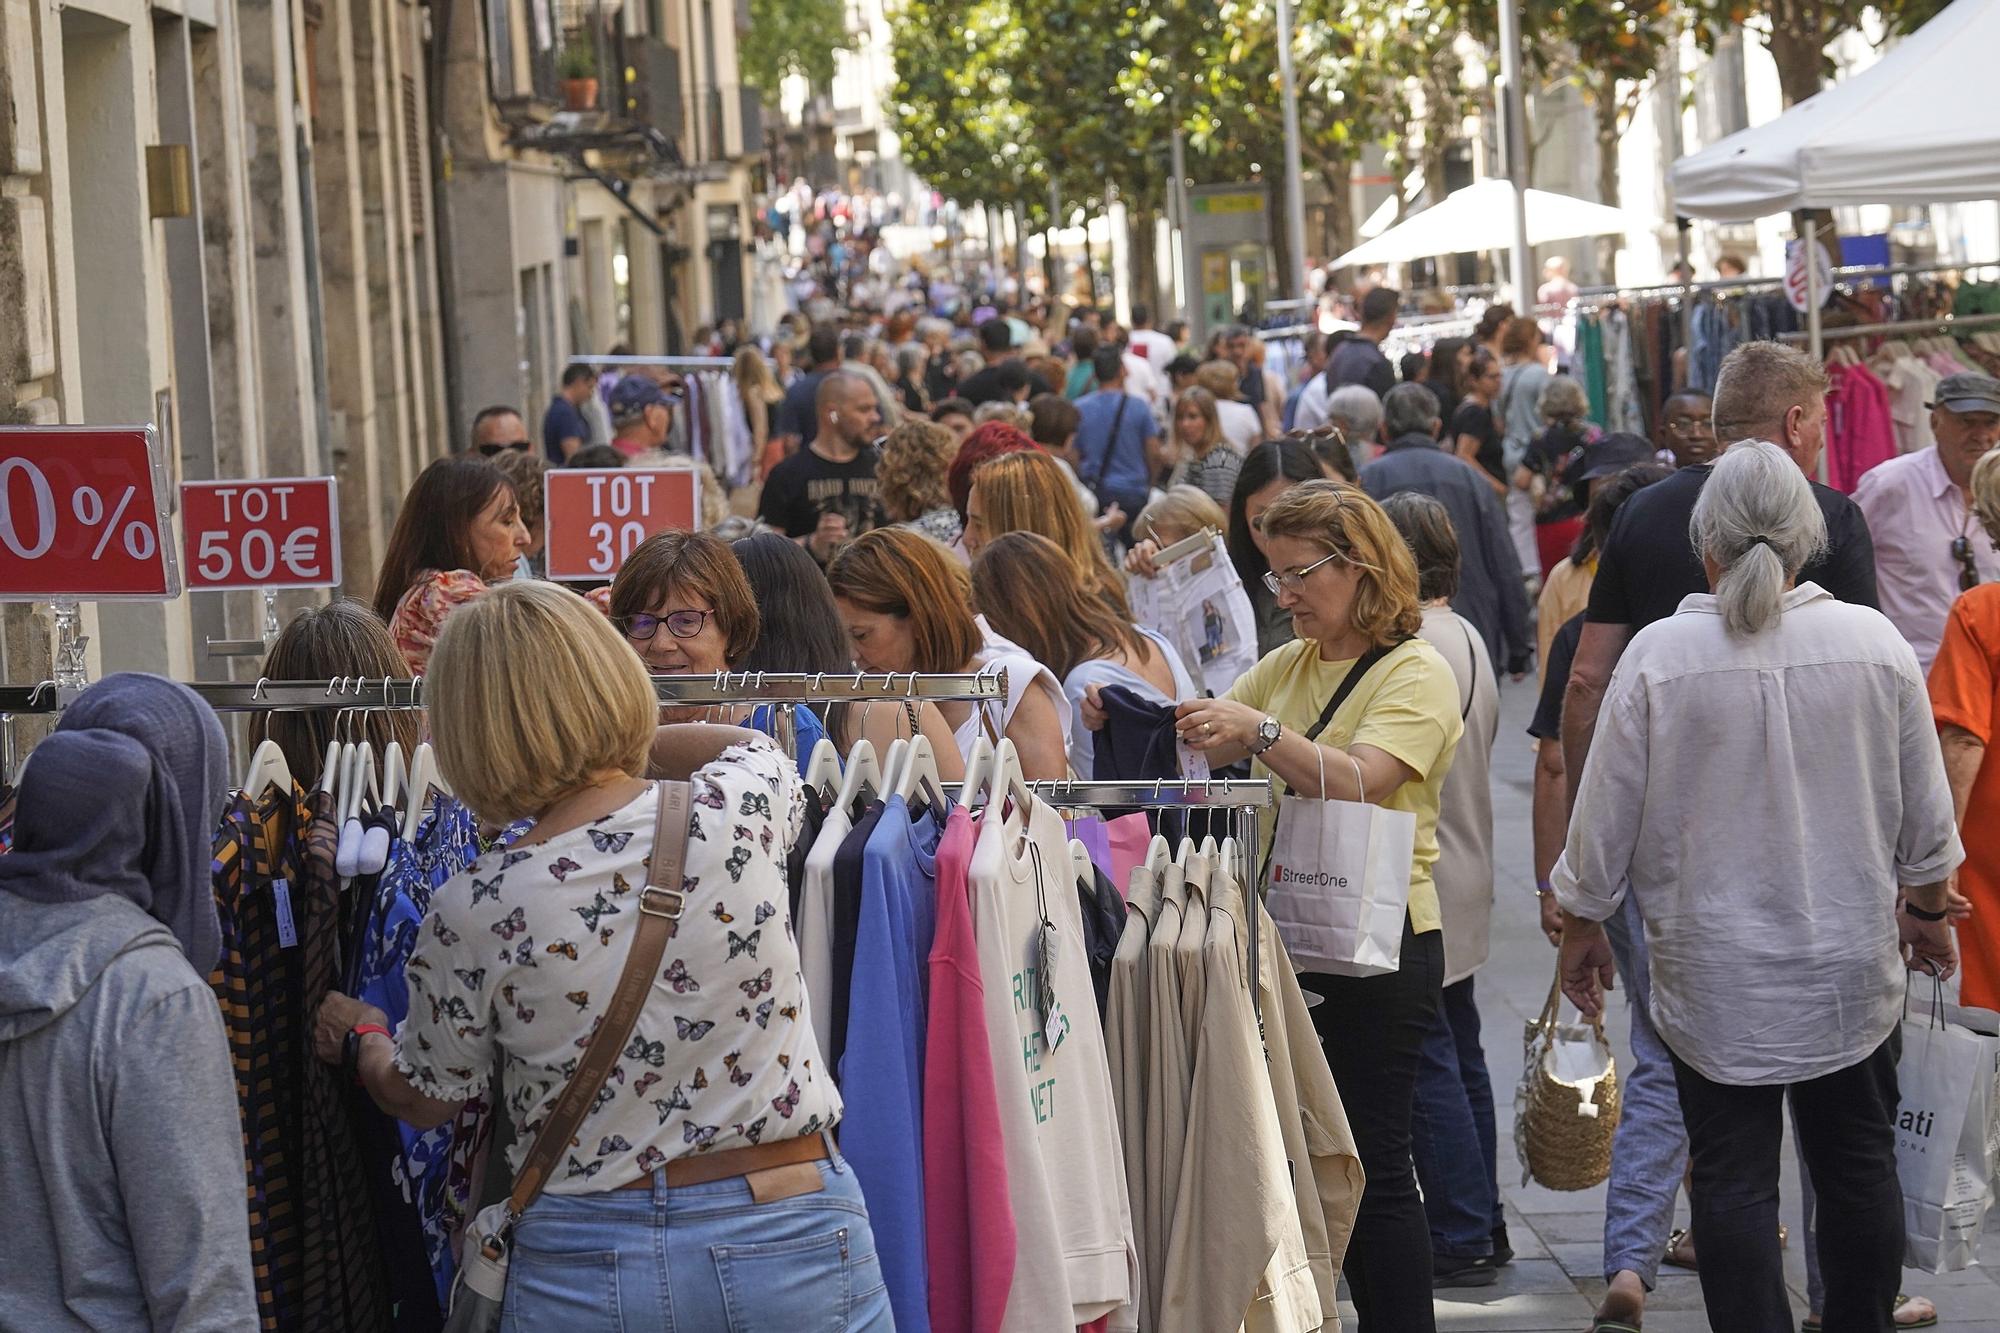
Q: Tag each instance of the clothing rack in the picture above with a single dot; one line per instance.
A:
(1244, 797)
(671, 362)
(353, 692)
(1949, 324)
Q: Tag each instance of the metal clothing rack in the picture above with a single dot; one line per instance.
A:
(353, 692)
(671, 362)
(1243, 797)
(1943, 326)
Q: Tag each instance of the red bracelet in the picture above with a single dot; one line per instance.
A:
(363, 1029)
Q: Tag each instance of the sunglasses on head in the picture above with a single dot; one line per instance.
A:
(1968, 568)
(492, 450)
(681, 624)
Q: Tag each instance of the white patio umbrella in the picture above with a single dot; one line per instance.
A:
(1480, 217)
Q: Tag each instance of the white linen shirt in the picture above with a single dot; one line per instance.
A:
(1763, 796)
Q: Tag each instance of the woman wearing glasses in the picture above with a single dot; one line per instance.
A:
(1344, 572)
(459, 530)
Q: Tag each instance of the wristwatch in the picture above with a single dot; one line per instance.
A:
(1922, 914)
(1267, 735)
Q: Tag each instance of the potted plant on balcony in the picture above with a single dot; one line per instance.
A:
(576, 66)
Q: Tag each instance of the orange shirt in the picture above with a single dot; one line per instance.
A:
(1965, 692)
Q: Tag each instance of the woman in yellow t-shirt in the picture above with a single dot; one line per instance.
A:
(1343, 571)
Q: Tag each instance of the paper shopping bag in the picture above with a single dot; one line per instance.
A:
(1338, 884)
(1945, 1133)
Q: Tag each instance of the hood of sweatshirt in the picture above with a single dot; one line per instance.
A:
(51, 954)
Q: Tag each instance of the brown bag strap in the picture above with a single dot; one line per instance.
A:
(660, 905)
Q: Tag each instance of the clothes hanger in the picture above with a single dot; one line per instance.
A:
(978, 766)
(892, 765)
(919, 772)
(823, 768)
(395, 775)
(864, 774)
(268, 768)
(1081, 865)
(423, 778)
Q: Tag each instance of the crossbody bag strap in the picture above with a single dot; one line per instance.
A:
(660, 905)
(1117, 419)
(1361, 667)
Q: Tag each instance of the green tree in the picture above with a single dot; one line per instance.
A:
(792, 37)
(961, 123)
(1797, 31)
(1610, 53)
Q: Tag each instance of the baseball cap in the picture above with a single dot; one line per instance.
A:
(1968, 393)
(1613, 454)
(634, 393)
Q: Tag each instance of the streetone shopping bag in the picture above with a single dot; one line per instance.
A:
(1339, 883)
(1947, 1132)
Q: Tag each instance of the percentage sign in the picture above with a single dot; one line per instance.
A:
(88, 506)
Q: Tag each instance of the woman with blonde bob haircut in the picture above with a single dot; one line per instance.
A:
(907, 605)
(1342, 569)
(560, 905)
(1030, 492)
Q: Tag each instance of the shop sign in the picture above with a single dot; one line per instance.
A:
(83, 515)
(596, 517)
(281, 532)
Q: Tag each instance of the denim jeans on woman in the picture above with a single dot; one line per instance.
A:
(697, 1257)
(1649, 1152)
(1452, 1134)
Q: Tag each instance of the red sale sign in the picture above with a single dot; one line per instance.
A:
(83, 515)
(278, 533)
(596, 517)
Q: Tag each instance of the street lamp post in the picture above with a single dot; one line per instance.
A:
(1295, 199)
(1514, 146)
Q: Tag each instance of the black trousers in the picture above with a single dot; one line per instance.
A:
(1373, 1030)
(1846, 1129)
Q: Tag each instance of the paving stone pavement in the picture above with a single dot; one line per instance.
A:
(1556, 1277)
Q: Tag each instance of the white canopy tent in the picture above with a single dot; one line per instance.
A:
(1481, 217)
(1921, 126)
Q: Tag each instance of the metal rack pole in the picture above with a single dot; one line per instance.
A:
(1944, 324)
(672, 362)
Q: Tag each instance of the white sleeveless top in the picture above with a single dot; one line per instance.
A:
(1019, 673)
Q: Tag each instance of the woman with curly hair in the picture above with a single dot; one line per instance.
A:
(910, 479)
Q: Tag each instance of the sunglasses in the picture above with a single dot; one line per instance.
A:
(1968, 569)
(680, 624)
(493, 450)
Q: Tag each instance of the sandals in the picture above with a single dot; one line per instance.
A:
(1681, 1235)
(1811, 1323)
(1613, 1326)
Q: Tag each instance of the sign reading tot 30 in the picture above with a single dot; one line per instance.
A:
(597, 516)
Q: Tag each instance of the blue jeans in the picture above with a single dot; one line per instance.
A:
(1451, 1131)
(1649, 1153)
(700, 1257)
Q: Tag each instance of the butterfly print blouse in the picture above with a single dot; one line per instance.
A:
(522, 951)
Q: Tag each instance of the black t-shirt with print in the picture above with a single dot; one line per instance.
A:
(807, 485)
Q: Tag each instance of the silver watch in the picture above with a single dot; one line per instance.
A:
(1267, 735)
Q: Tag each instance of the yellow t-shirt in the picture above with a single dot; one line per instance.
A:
(1407, 706)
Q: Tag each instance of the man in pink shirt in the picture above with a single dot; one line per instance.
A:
(1928, 546)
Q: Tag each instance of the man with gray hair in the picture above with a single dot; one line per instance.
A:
(1490, 592)
(1357, 410)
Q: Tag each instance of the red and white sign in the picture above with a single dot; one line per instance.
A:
(83, 515)
(277, 533)
(596, 516)
(1796, 290)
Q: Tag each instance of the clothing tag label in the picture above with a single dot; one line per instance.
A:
(1055, 1023)
(281, 896)
(1194, 764)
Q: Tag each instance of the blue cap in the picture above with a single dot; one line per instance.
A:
(633, 394)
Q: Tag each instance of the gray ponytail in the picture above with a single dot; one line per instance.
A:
(1758, 520)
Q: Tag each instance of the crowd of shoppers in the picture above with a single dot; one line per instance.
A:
(1701, 608)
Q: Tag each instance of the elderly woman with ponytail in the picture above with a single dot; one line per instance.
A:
(1774, 799)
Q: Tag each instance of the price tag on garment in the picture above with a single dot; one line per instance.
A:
(281, 900)
(595, 517)
(278, 533)
(83, 515)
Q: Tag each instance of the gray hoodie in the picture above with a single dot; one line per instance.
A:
(121, 1146)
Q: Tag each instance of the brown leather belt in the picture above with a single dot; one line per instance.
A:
(745, 1161)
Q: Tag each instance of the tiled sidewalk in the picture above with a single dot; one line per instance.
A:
(1556, 1278)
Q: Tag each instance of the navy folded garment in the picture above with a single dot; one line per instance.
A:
(1136, 742)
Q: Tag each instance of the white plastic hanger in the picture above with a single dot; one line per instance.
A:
(423, 777)
(395, 774)
(864, 773)
(919, 772)
(823, 767)
(1081, 865)
(892, 764)
(329, 769)
(363, 781)
(268, 768)
(978, 769)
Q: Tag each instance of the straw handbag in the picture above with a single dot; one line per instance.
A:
(1566, 1106)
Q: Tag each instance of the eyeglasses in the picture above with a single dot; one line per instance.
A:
(1690, 426)
(1277, 582)
(680, 624)
(1968, 569)
(518, 446)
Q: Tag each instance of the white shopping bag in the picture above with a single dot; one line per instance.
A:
(1339, 883)
(1197, 603)
(1947, 1132)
